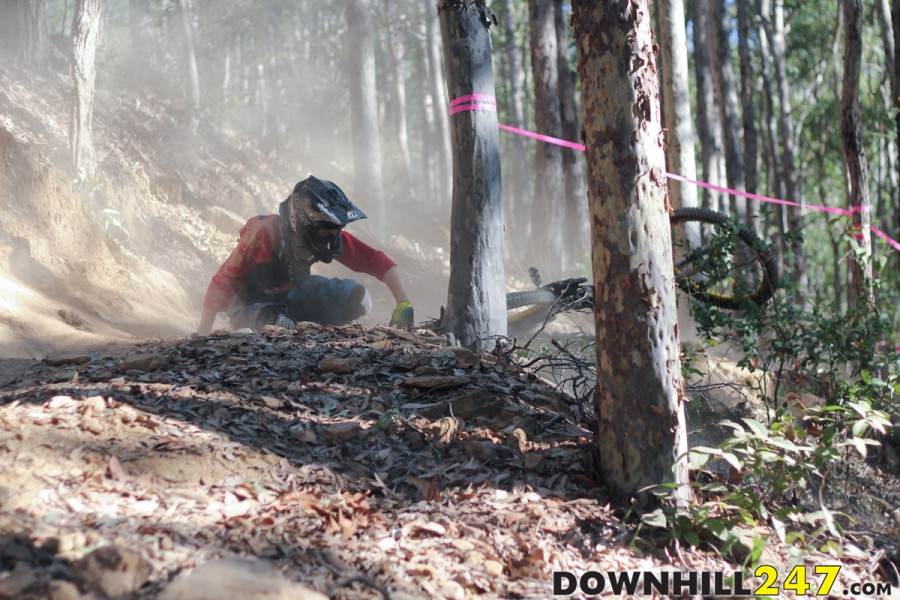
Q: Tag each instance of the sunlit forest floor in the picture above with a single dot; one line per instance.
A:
(352, 461)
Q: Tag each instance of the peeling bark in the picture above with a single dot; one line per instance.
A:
(639, 401)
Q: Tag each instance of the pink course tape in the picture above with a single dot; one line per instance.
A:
(828, 209)
(487, 102)
(544, 138)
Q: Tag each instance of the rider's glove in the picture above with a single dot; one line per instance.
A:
(403, 315)
(285, 321)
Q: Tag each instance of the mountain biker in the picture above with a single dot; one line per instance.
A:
(267, 281)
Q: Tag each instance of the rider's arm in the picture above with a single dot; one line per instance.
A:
(362, 258)
(207, 318)
(392, 280)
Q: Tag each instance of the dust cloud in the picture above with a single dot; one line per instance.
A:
(130, 250)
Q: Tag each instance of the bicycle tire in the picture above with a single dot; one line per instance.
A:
(529, 297)
(762, 257)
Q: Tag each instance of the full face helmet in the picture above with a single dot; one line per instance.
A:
(315, 213)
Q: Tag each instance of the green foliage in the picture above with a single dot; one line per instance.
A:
(776, 473)
(774, 476)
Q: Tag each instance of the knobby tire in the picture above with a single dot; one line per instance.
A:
(764, 289)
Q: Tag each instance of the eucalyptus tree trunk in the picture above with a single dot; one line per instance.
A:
(441, 116)
(774, 171)
(576, 226)
(363, 110)
(23, 29)
(639, 401)
(788, 153)
(677, 102)
(726, 95)
(85, 31)
(193, 75)
(860, 287)
(426, 151)
(889, 154)
(396, 31)
(748, 84)
(894, 213)
(889, 42)
(476, 301)
(708, 129)
(518, 188)
(549, 187)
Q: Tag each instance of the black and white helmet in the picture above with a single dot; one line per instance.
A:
(316, 211)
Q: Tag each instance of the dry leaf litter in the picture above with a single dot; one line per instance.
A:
(341, 462)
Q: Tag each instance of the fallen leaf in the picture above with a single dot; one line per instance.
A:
(429, 382)
(304, 433)
(339, 366)
(341, 432)
(418, 527)
(115, 469)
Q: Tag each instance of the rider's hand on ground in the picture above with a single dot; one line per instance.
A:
(403, 315)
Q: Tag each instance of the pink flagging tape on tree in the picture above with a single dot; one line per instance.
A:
(486, 98)
(473, 102)
(472, 106)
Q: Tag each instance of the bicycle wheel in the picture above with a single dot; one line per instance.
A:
(529, 297)
(721, 262)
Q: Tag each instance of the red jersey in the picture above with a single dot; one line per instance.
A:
(258, 264)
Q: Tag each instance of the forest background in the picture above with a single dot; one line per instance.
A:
(207, 113)
(765, 82)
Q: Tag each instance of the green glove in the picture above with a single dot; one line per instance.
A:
(403, 315)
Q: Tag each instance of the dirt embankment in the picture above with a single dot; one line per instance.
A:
(124, 253)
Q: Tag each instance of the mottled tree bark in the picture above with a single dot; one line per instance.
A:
(85, 31)
(851, 137)
(476, 301)
(364, 111)
(639, 401)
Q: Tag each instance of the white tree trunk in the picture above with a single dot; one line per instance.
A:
(85, 31)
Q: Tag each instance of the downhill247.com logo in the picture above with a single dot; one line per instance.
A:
(712, 584)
